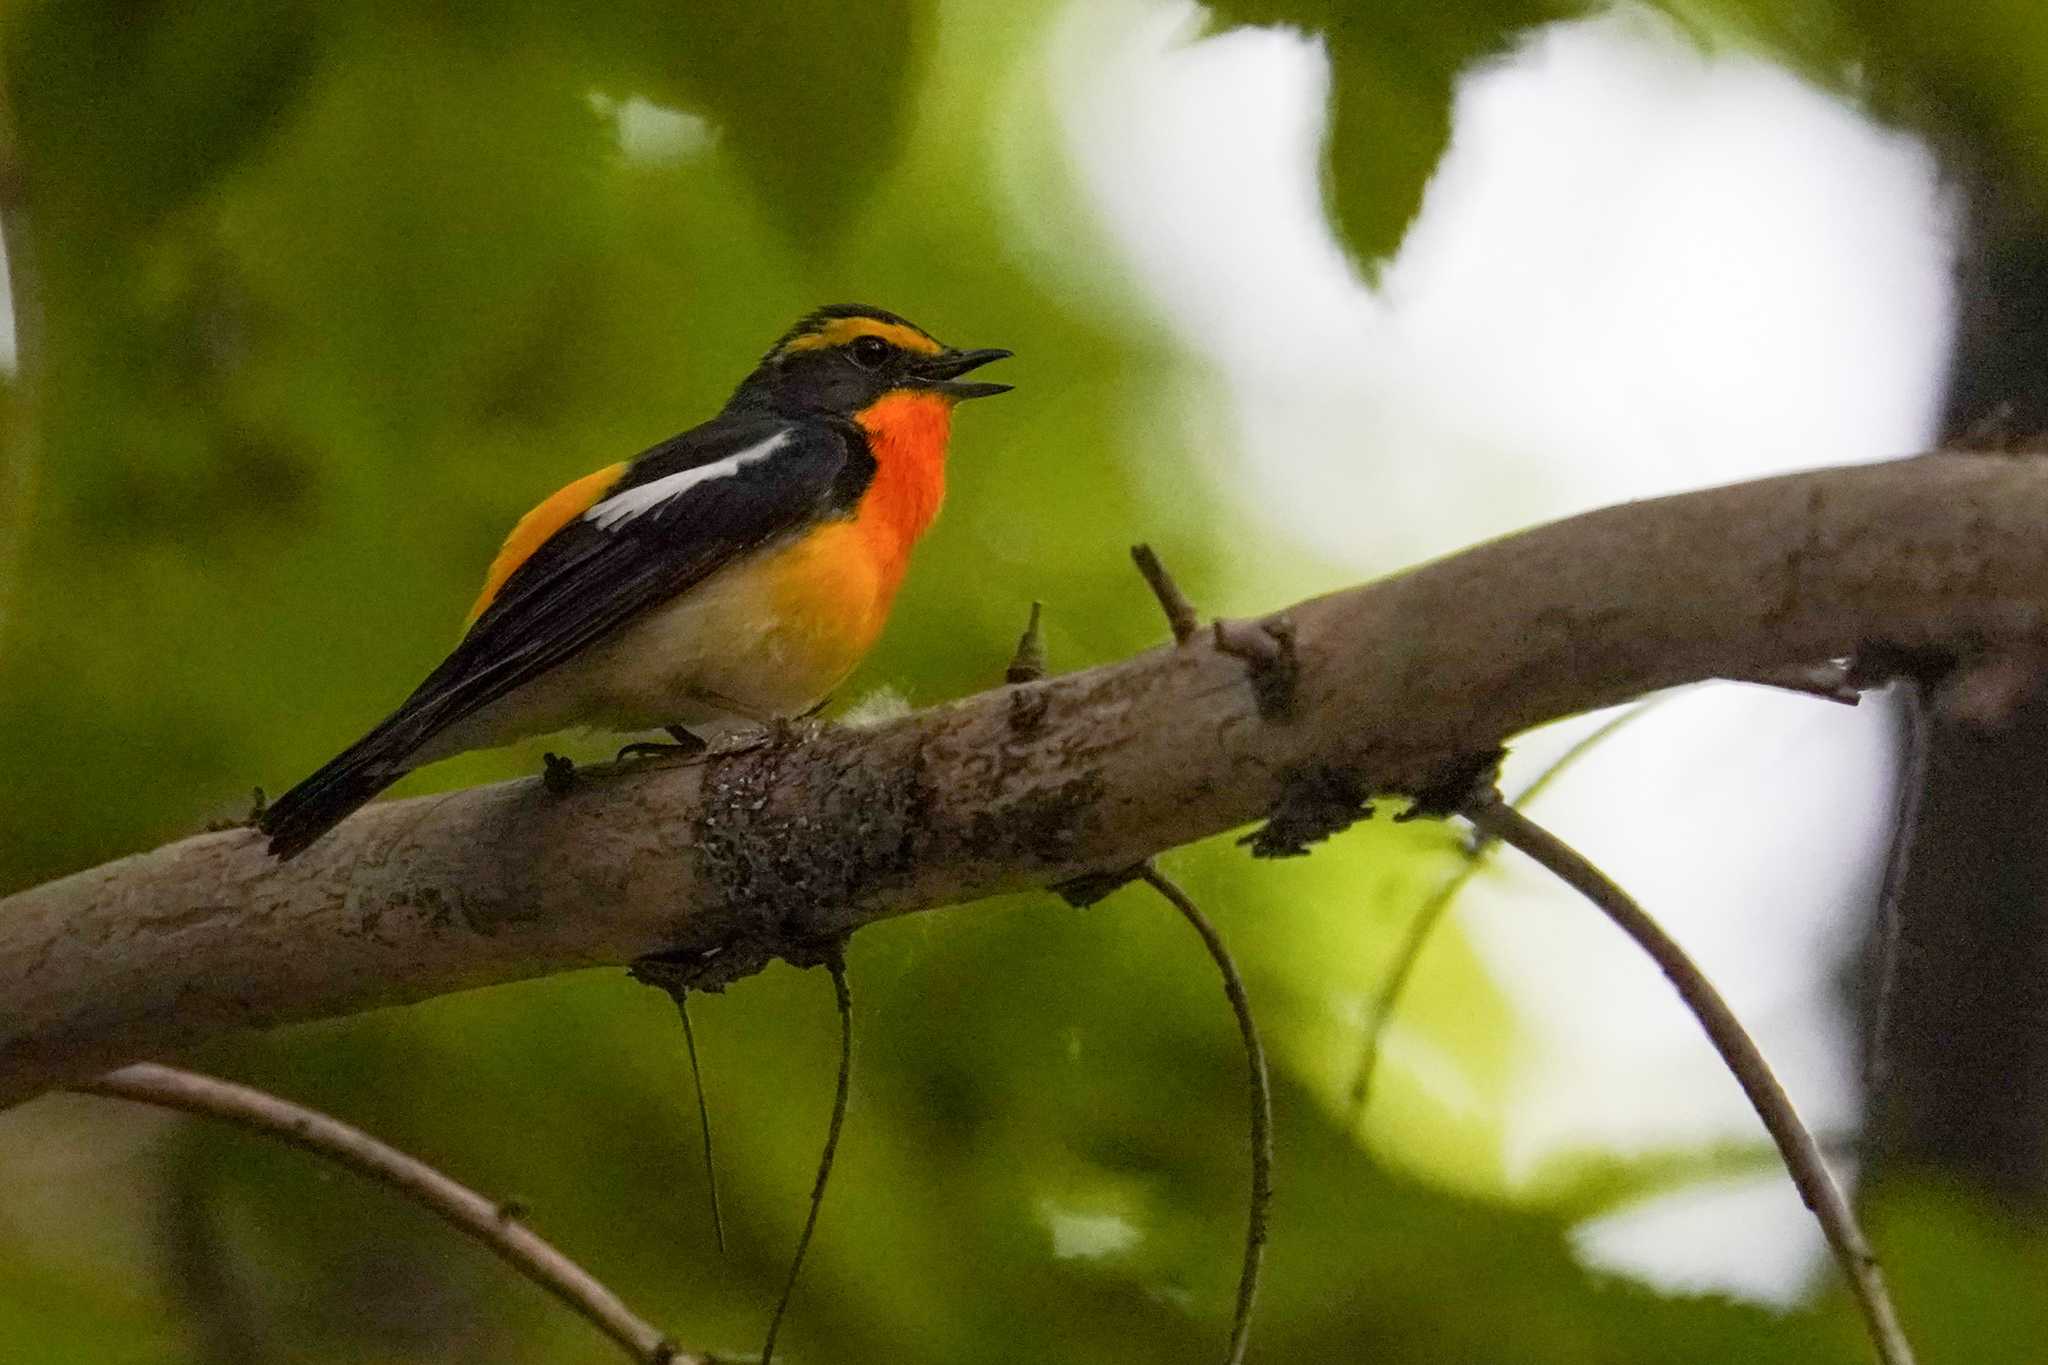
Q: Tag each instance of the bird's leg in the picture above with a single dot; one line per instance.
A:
(686, 743)
(785, 731)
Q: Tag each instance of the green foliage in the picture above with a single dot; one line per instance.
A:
(1392, 70)
(314, 302)
(1966, 77)
(125, 114)
(1964, 1271)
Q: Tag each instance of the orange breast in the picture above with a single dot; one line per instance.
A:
(834, 588)
(907, 433)
(831, 600)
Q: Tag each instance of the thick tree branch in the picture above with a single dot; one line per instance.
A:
(724, 864)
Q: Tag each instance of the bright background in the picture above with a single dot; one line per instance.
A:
(308, 308)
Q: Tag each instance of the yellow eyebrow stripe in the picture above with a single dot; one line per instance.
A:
(533, 530)
(839, 331)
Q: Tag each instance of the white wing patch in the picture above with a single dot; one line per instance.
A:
(621, 508)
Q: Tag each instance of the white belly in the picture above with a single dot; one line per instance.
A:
(736, 647)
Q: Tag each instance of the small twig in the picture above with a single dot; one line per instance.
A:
(1180, 613)
(1262, 1105)
(1912, 780)
(1986, 693)
(835, 964)
(1426, 919)
(1028, 663)
(1395, 984)
(1801, 1154)
(1831, 681)
(682, 998)
(1267, 649)
(672, 977)
(493, 1224)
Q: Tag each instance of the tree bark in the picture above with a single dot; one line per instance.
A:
(1960, 1011)
(727, 864)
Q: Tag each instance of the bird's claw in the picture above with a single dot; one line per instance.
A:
(684, 744)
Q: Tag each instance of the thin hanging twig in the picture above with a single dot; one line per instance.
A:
(836, 964)
(1395, 984)
(1262, 1105)
(1184, 621)
(1912, 783)
(682, 999)
(496, 1225)
(1493, 817)
(1831, 681)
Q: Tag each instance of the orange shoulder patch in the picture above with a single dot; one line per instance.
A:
(536, 526)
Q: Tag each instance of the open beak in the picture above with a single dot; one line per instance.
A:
(942, 373)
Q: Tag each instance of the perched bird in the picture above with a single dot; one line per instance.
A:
(739, 570)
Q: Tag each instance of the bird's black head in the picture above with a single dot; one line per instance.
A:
(841, 359)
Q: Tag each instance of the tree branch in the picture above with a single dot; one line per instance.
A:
(726, 864)
(1408, 954)
(1796, 1146)
(1261, 1089)
(495, 1225)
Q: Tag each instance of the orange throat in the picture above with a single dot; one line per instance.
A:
(907, 433)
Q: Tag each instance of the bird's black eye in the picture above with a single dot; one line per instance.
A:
(869, 352)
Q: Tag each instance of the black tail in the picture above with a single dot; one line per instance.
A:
(335, 792)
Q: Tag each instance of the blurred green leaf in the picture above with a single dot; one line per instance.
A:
(1393, 69)
(123, 112)
(810, 99)
(1966, 77)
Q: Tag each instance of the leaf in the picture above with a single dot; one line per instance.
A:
(811, 99)
(125, 111)
(1394, 69)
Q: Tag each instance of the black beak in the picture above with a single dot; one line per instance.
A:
(941, 373)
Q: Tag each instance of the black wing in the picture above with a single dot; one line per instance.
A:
(591, 577)
(683, 510)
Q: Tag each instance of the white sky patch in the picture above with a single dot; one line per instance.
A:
(649, 133)
(1078, 1236)
(621, 508)
(1715, 814)
(1705, 1240)
(1637, 269)
(1203, 158)
(10, 360)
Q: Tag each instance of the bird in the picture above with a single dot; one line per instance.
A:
(734, 573)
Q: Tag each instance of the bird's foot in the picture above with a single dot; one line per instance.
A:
(557, 774)
(686, 744)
